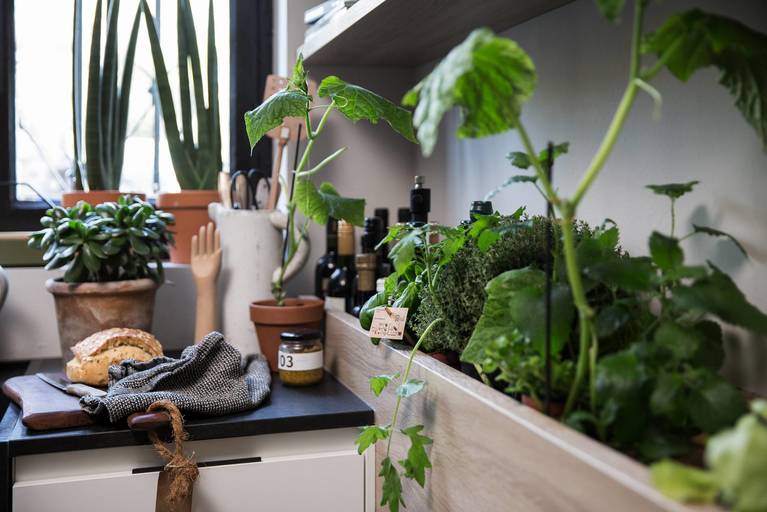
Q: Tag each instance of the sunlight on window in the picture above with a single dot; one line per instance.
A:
(44, 120)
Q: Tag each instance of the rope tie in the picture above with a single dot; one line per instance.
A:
(182, 469)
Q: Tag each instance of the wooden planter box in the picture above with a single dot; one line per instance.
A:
(490, 452)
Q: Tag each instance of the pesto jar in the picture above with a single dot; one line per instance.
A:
(300, 357)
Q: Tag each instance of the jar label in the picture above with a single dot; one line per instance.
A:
(297, 362)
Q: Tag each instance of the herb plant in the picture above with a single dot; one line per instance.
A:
(736, 460)
(418, 260)
(195, 149)
(490, 78)
(319, 203)
(106, 111)
(109, 242)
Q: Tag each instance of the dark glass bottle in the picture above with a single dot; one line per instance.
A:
(326, 263)
(420, 202)
(384, 265)
(480, 208)
(340, 286)
(403, 215)
(366, 264)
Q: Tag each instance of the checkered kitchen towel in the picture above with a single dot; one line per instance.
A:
(208, 379)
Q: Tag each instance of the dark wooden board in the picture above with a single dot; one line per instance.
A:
(43, 406)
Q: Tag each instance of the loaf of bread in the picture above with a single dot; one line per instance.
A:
(96, 353)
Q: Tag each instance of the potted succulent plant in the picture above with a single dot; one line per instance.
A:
(316, 204)
(113, 258)
(195, 149)
(106, 113)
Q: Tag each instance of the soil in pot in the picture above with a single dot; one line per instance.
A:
(270, 320)
(190, 207)
(85, 308)
(94, 197)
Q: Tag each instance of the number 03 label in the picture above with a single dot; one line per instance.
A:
(298, 362)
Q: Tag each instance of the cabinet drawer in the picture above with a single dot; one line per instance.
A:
(332, 481)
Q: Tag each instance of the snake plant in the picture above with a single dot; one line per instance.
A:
(196, 154)
(106, 114)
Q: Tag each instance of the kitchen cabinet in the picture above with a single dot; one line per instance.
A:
(296, 471)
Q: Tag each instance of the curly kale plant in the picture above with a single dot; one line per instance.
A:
(109, 242)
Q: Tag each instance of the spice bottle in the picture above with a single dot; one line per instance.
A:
(300, 361)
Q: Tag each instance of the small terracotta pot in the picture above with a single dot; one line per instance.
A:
(190, 207)
(271, 320)
(94, 197)
(557, 408)
(85, 308)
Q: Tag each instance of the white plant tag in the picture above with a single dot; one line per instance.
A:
(388, 323)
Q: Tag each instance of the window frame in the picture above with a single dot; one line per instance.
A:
(250, 57)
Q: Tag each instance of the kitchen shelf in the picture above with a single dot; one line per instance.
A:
(490, 452)
(408, 32)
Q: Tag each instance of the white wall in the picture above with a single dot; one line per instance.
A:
(582, 67)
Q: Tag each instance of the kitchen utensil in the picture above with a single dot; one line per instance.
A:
(206, 264)
(224, 184)
(3, 287)
(249, 190)
(287, 131)
(57, 380)
(43, 407)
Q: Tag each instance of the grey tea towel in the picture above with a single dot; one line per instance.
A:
(207, 379)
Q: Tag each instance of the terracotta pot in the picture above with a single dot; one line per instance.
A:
(94, 197)
(191, 210)
(85, 308)
(557, 408)
(270, 320)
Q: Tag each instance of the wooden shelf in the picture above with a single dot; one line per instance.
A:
(490, 452)
(412, 32)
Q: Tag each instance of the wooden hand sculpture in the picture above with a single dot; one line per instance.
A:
(206, 264)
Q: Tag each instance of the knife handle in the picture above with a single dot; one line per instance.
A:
(84, 390)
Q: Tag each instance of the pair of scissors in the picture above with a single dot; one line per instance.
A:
(249, 190)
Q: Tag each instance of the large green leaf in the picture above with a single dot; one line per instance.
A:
(488, 77)
(695, 39)
(370, 435)
(417, 461)
(673, 190)
(515, 306)
(391, 488)
(684, 483)
(715, 232)
(344, 208)
(665, 251)
(714, 403)
(717, 294)
(356, 103)
(309, 201)
(269, 114)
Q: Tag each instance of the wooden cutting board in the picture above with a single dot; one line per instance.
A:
(44, 407)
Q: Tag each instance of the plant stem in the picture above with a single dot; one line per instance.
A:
(673, 217)
(539, 170)
(322, 164)
(404, 379)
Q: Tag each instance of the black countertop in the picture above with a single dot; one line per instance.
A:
(288, 409)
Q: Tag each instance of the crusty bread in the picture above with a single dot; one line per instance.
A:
(96, 353)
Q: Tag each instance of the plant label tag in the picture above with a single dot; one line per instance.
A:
(388, 323)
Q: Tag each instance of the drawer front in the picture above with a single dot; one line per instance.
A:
(333, 482)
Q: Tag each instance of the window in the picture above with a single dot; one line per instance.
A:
(37, 78)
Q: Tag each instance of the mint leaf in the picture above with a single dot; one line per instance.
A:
(695, 39)
(270, 114)
(673, 190)
(379, 383)
(683, 483)
(370, 435)
(410, 388)
(488, 77)
(717, 294)
(391, 490)
(521, 160)
(665, 251)
(417, 460)
(310, 202)
(345, 208)
(715, 232)
(356, 103)
(611, 9)
(714, 403)
(403, 252)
